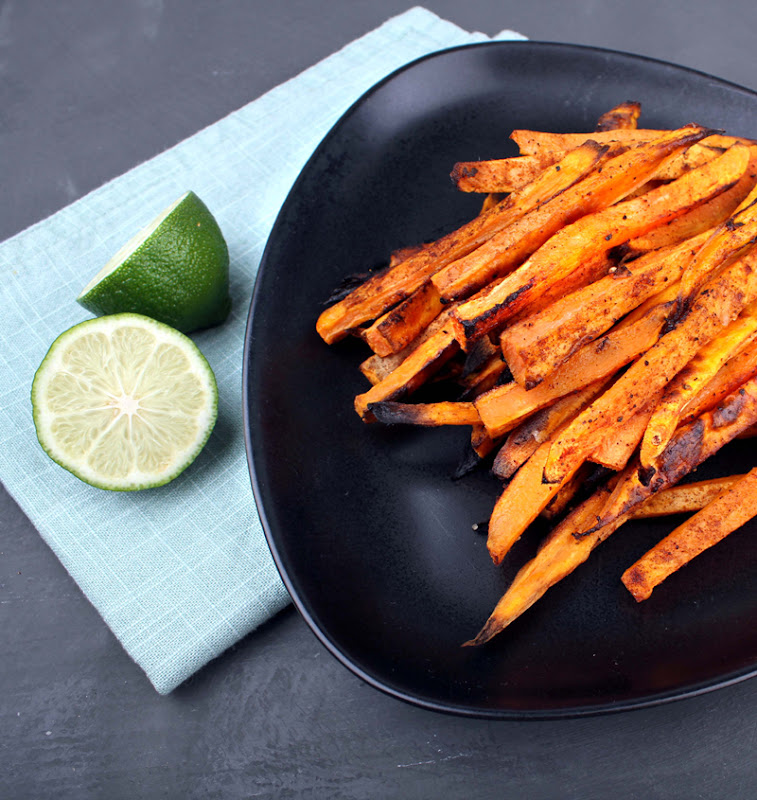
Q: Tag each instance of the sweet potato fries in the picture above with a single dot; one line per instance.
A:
(597, 318)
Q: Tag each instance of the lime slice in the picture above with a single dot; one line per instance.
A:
(175, 270)
(124, 402)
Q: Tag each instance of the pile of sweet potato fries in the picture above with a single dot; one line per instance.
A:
(600, 310)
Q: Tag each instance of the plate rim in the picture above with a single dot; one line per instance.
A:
(684, 692)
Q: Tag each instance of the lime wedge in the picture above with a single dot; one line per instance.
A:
(175, 270)
(124, 402)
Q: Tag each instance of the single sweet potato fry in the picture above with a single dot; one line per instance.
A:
(684, 498)
(397, 328)
(723, 298)
(425, 414)
(523, 499)
(592, 235)
(624, 116)
(732, 508)
(615, 451)
(499, 174)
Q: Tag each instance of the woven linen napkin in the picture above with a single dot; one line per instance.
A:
(182, 572)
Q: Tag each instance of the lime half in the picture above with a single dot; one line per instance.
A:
(124, 402)
(176, 270)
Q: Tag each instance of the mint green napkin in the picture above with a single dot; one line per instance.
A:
(182, 572)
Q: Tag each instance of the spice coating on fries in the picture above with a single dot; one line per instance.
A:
(595, 330)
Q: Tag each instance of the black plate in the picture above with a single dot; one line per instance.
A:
(372, 537)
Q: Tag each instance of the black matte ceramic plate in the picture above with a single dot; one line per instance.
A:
(372, 537)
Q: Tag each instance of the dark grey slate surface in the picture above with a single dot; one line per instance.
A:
(88, 90)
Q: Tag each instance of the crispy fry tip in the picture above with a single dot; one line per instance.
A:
(490, 629)
(632, 579)
(469, 463)
(383, 412)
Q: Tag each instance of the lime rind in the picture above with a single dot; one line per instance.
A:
(124, 402)
(131, 247)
